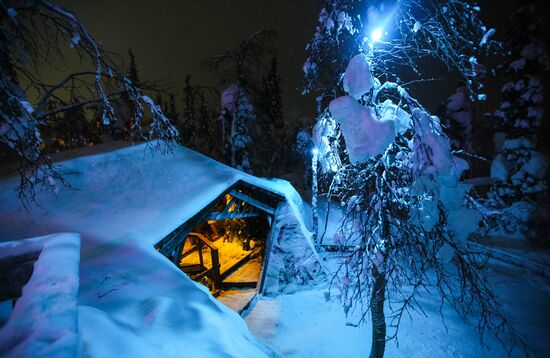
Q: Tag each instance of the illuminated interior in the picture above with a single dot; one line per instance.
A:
(228, 253)
(224, 246)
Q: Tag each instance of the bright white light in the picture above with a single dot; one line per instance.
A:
(376, 35)
(314, 151)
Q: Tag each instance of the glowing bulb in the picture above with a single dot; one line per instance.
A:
(314, 151)
(376, 35)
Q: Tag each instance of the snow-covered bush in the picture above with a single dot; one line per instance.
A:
(519, 170)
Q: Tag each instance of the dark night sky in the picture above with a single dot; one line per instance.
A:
(170, 38)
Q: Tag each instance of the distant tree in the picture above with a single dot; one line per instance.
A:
(126, 98)
(273, 95)
(198, 124)
(34, 34)
(171, 110)
(239, 69)
(457, 115)
(133, 71)
(519, 170)
(271, 156)
(237, 117)
(388, 163)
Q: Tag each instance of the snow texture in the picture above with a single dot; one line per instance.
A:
(391, 112)
(230, 97)
(132, 300)
(500, 168)
(433, 150)
(291, 262)
(44, 322)
(358, 78)
(313, 324)
(365, 134)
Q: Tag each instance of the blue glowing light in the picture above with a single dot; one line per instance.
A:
(376, 35)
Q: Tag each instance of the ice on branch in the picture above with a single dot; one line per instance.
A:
(364, 133)
(358, 79)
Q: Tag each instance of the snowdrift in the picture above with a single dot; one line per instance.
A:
(132, 300)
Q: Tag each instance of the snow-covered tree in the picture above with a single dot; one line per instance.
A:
(198, 123)
(273, 96)
(240, 70)
(36, 34)
(237, 116)
(458, 114)
(519, 170)
(387, 161)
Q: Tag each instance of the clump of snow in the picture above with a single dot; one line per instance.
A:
(457, 101)
(432, 149)
(391, 112)
(365, 134)
(537, 166)
(462, 222)
(521, 142)
(44, 320)
(500, 168)
(230, 97)
(75, 40)
(487, 36)
(358, 79)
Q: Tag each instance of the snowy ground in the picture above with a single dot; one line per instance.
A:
(305, 324)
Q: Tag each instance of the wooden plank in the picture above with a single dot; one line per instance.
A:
(217, 216)
(216, 277)
(234, 267)
(247, 199)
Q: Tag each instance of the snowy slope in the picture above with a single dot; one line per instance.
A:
(132, 300)
(44, 320)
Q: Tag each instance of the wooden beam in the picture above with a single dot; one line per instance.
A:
(247, 199)
(216, 216)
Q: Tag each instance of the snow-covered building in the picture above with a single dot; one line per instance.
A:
(147, 222)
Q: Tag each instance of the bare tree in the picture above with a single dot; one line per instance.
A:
(37, 34)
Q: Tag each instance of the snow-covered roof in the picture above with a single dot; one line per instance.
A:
(121, 203)
(127, 194)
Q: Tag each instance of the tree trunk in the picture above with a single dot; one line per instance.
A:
(378, 344)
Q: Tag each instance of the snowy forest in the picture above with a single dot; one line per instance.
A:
(316, 178)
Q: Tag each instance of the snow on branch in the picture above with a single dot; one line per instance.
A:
(34, 36)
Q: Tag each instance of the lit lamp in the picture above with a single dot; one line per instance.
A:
(376, 35)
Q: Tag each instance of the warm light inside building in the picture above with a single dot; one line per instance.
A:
(226, 252)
